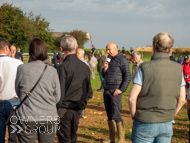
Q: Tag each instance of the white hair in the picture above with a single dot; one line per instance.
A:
(136, 54)
(68, 43)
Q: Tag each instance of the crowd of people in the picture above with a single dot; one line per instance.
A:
(58, 93)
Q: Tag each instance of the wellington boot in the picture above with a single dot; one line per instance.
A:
(121, 132)
(112, 131)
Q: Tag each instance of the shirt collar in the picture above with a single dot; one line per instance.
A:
(160, 55)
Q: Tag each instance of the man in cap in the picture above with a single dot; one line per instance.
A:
(180, 59)
(186, 74)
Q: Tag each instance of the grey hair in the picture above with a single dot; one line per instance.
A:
(18, 49)
(137, 53)
(68, 43)
(81, 50)
(102, 52)
(163, 42)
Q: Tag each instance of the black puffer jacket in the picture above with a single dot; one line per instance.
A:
(118, 75)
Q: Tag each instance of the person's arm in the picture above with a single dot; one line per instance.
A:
(62, 79)
(17, 82)
(132, 99)
(181, 99)
(89, 88)
(126, 76)
(57, 92)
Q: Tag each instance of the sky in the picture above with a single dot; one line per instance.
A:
(127, 23)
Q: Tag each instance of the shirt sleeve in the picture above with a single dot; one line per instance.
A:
(183, 81)
(138, 78)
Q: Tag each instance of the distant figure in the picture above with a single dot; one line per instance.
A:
(13, 53)
(93, 50)
(180, 59)
(93, 62)
(100, 66)
(8, 96)
(131, 51)
(80, 55)
(19, 54)
(171, 56)
(157, 95)
(186, 74)
(123, 50)
(136, 64)
(52, 58)
(58, 60)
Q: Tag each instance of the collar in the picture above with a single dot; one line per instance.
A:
(116, 56)
(160, 55)
(138, 63)
(4, 55)
(71, 56)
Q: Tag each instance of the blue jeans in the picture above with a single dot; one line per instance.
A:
(101, 79)
(5, 110)
(151, 132)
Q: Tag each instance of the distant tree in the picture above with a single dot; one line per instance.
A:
(79, 35)
(20, 28)
(11, 24)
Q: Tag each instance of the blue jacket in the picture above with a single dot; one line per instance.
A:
(118, 75)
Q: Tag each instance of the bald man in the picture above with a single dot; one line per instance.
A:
(80, 55)
(157, 95)
(117, 77)
(14, 54)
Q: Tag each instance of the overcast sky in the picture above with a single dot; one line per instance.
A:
(128, 23)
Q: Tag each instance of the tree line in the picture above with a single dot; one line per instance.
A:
(20, 28)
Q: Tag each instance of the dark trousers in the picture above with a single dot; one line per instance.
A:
(45, 130)
(113, 105)
(68, 126)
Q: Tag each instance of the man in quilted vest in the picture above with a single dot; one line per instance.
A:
(157, 94)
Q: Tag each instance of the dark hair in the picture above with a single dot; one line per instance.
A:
(37, 50)
(3, 43)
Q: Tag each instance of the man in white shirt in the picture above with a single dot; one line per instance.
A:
(8, 96)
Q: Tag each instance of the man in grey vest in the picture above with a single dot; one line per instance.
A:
(157, 94)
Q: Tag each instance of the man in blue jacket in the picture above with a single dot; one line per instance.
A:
(117, 77)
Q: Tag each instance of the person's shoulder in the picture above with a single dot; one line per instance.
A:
(15, 61)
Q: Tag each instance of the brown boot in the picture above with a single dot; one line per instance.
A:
(112, 131)
(121, 132)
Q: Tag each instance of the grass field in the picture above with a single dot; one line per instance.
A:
(93, 127)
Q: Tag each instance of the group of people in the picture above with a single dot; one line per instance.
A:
(57, 101)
